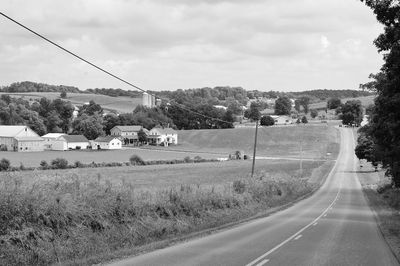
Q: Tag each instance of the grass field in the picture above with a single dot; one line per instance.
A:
(315, 141)
(119, 104)
(365, 101)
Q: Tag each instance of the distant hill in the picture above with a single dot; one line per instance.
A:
(108, 103)
(326, 94)
(365, 101)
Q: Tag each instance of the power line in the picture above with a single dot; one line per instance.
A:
(105, 71)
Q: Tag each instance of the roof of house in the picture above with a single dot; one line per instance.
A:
(53, 135)
(128, 128)
(11, 131)
(75, 138)
(32, 138)
(163, 131)
(106, 139)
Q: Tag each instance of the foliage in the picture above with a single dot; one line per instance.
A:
(333, 103)
(384, 123)
(351, 113)
(28, 86)
(267, 120)
(89, 126)
(136, 160)
(91, 109)
(59, 163)
(63, 94)
(44, 164)
(254, 112)
(365, 149)
(4, 164)
(303, 101)
(283, 105)
(313, 113)
(304, 120)
(142, 137)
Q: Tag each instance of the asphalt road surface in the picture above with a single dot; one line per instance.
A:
(335, 226)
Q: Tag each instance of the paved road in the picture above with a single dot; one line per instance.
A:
(333, 227)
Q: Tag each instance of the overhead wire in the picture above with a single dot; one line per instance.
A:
(183, 107)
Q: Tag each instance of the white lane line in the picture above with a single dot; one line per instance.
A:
(314, 224)
(252, 263)
(297, 237)
(263, 262)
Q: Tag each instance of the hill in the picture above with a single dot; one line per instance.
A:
(119, 104)
(365, 101)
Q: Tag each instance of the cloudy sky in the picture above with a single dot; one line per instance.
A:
(286, 45)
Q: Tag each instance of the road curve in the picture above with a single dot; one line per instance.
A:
(335, 226)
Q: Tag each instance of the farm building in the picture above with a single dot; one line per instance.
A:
(128, 134)
(108, 143)
(162, 136)
(20, 138)
(282, 119)
(63, 142)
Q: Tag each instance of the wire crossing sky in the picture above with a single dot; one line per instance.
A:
(176, 44)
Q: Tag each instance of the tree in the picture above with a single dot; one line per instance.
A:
(304, 120)
(89, 126)
(63, 94)
(4, 164)
(267, 120)
(384, 123)
(333, 103)
(313, 113)
(365, 149)
(352, 113)
(254, 112)
(305, 102)
(91, 109)
(142, 137)
(283, 105)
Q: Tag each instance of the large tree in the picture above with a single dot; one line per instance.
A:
(385, 117)
(283, 106)
(352, 112)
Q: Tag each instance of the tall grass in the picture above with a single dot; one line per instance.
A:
(65, 220)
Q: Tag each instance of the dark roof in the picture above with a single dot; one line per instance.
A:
(75, 138)
(106, 138)
(129, 128)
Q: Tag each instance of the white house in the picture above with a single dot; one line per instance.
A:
(108, 143)
(19, 138)
(128, 134)
(63, 142)
(162, 136)
(282, 119)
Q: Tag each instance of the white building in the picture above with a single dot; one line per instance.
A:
(162, 136)
(282, 119)
(19, 138)
(63, 142)
(108, 143)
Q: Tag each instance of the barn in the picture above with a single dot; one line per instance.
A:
(19, 138)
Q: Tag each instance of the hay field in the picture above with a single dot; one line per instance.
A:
(119, 104)
(365, 101)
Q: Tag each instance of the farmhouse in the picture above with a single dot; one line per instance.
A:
(162, 136)
(63, 142)
(108, 143)
(19, 138)
(282, 119)
(128, 134)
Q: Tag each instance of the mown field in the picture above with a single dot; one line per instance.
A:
(119, 104)
(315, 141)
(365, 101)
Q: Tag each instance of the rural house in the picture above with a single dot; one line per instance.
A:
(127, 134)
(282, 119)
(63, 142)
(162, 136)
(107, 143)
(19, 138)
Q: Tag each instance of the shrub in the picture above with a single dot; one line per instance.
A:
(78, 164)
(239, 186)
(44, 164)
(197, 158)
(3, 147)
(136, 160)
(187, 159)
(4, 164)
(59, 163)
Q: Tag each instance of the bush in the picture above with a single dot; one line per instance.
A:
(59, 163)
(136, 160)
(78, 164)
(267, 120)
(239, 186)
(4, 164)
(187, 159)
(44, 164)
(3, 147)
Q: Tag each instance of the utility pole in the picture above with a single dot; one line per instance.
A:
(254, 150)
(301, 158)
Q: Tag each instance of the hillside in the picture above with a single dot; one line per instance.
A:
(108, 103)
(365, 101)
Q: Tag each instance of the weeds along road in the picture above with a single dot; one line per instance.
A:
(335, 226)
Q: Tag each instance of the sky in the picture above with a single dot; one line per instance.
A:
(289, 45)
